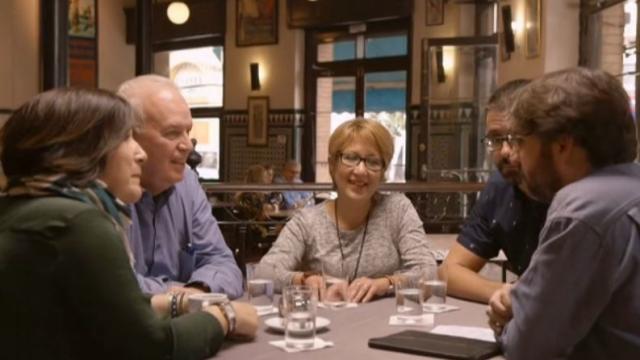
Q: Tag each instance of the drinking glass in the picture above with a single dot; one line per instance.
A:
(259, 290)
(434, 288)
(334, 295)
(300, 319)
(409, 296)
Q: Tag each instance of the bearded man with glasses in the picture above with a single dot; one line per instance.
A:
(580, 297)
(505, 217)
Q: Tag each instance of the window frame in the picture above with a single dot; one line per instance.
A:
(209, 111)
(357, 67)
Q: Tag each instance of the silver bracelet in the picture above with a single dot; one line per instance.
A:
(230, 314)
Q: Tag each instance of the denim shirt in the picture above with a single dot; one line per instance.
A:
(580, 297)
(504, 218)
(292, 198)
(176, 240)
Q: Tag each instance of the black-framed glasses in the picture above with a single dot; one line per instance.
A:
(495, 143)
(370, 162)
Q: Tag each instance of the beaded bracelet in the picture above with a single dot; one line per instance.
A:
(174, 305)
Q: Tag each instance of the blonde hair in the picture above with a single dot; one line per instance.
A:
(361, 129)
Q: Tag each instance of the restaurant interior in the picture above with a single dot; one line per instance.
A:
(267, 81)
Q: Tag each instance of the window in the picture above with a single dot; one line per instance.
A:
(360, 75)
(629, 54)
(198, 72)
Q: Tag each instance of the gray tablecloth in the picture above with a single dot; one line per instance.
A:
(350, 329)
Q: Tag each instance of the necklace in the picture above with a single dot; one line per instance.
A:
(364, 235)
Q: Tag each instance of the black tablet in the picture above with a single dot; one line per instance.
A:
(443, 346)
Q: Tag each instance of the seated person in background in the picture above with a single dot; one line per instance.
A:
(175, 239)
(580, 297)
(68, 287)
(504, 218)
(363, 234)
(291, 175)
(269, 169)
(256, 205)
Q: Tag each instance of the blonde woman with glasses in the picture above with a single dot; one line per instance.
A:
(362, 235)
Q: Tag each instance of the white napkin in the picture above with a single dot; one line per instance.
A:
(317, 345)
(266, 311)
(425, 320)
(471, 332)
(346, 306)
(439, 308)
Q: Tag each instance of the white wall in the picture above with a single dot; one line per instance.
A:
(116, 59)
(559, 36)
(20, 40)
(281, 66)
(19, 58)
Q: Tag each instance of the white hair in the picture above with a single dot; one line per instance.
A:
(137, 90)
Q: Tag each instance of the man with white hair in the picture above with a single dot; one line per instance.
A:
(291, 175)
(176, 241)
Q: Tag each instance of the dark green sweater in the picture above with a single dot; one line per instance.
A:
(67, 291)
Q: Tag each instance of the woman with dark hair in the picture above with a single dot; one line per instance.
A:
(68, 289)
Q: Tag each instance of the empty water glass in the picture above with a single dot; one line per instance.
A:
(259, 290)
(434, 288)
(300, 320)
(409, 296)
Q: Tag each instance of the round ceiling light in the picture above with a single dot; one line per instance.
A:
(178, 12)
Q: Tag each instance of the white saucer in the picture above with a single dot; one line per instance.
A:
(277, 323)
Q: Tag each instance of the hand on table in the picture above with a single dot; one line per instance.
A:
(500, 311)
(316, 282)
(246, 319)
(364, 289)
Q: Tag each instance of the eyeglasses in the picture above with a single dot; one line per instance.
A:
(494, 143)
(353, 160)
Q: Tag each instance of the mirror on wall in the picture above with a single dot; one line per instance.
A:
(458, 79)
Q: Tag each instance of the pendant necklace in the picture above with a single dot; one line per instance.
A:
(364, 235)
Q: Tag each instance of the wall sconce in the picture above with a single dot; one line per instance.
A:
(254, 71)
(178, 12)
(449, 59)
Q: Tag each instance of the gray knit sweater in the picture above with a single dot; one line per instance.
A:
(395, 240)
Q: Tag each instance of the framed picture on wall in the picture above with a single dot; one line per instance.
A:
(434, 12)
(83, 39)
(532, 28)
(256, 22)
(258, 117)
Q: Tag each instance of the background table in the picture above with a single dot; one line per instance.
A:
(350, 330)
